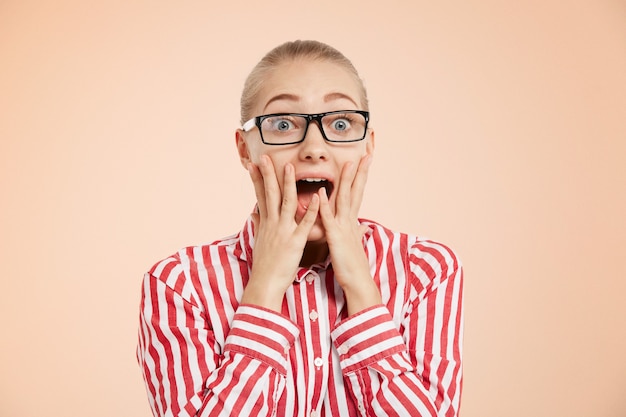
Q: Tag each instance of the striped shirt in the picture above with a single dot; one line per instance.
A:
(204, 354)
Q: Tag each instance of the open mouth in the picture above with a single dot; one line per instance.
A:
(308, 186)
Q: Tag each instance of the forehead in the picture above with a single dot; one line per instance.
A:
(307, 85)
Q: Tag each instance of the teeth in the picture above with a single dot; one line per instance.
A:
(313, 179)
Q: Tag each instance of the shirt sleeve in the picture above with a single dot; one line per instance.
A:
(187, 373)
(414, 369)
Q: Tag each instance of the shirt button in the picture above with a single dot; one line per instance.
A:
(318, 362)
(313, 315)
(343, 349)
(309, 278)
(313, 414)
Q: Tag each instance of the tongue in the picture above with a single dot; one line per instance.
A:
(306, 191)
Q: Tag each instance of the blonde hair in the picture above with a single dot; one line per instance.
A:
(290, 51)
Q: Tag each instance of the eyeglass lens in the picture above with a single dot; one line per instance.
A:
(338, 127)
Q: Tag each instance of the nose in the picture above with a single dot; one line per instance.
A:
(314, 147)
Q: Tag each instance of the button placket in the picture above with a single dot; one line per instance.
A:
(318, 362)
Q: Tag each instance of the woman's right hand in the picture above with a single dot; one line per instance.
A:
(278, 240)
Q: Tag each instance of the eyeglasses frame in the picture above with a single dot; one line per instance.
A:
(317, 118)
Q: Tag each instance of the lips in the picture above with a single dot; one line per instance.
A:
(309, 185)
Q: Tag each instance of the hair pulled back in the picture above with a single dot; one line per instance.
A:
(291, 51)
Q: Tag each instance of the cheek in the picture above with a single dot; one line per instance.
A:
(256, 149)
(254, 153)
(355, 155)
(279, 169)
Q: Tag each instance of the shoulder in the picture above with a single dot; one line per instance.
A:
(189, 261)
(189, 255)
(429, 260)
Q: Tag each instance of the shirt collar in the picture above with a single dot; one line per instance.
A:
(246, 242)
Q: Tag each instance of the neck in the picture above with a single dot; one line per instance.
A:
(314, 253)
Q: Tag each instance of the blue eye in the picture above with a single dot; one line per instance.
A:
(283, 125)
(341, 124)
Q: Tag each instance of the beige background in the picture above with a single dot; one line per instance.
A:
(500, 130)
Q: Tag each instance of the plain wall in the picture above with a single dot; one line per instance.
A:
(501, 131)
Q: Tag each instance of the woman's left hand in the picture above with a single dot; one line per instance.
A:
(345, 238)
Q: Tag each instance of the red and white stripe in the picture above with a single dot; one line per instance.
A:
(204, 354)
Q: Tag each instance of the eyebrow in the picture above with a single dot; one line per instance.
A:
(293, 97)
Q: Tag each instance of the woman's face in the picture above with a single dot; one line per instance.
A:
(307, 86)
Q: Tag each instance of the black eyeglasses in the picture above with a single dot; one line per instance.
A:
(290, 128)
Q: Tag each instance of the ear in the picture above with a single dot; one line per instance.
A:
(242, 148)
(371, 143)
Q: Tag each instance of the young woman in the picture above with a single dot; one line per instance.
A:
(308, 310)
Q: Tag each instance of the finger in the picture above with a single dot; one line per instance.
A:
(308, 220)
(325, 212)
(270, 184)
(343, 199)
(256, 221)
(259, 188)
(290, 194)
(358, 185)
